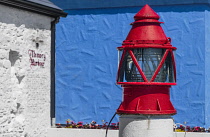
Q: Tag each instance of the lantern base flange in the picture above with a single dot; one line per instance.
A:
(151, 100)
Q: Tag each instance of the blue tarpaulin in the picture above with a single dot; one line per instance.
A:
(87, 59)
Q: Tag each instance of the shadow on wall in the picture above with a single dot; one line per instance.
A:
(13, 57)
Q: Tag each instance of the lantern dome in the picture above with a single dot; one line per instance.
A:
(146, 29)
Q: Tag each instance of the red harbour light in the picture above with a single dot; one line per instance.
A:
(147, 67)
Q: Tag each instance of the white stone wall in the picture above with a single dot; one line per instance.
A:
(24, 73)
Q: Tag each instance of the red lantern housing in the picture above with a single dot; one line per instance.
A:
(147, 67)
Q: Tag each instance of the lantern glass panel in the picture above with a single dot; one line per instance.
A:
(120, 52)
(128, 71)
(148, 60)
(166, 73)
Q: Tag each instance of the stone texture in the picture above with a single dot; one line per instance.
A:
(24, 84)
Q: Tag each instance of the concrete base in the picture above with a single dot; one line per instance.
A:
(145, 126)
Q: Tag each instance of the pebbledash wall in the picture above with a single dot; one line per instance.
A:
(25, 73)
(86, 58)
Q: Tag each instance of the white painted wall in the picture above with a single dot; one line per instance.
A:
(25, 85)
(64, 132)
(19, 17)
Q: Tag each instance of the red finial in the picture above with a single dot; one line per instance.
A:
(146, 13)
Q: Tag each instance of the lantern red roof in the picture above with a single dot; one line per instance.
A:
(147, 30)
